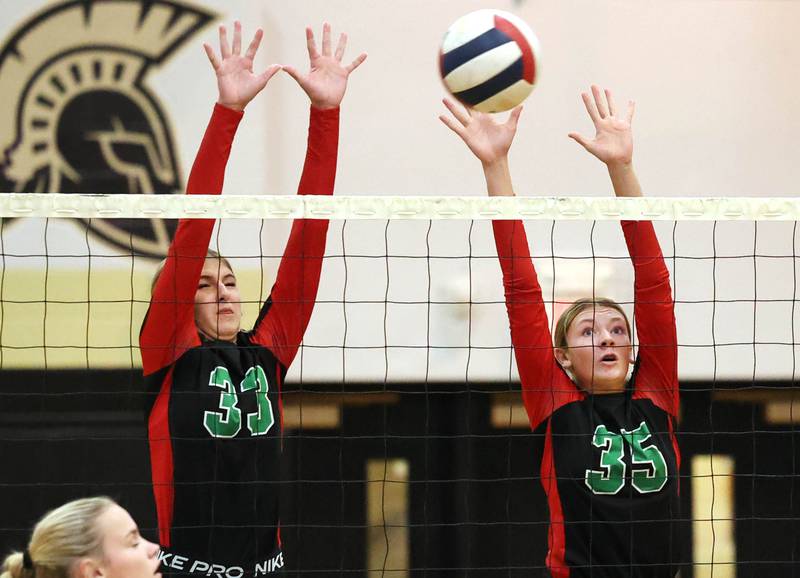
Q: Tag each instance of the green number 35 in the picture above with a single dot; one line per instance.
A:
(228, 422)
(648, 464)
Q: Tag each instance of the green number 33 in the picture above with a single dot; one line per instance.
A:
(648, 463)
(228, 422)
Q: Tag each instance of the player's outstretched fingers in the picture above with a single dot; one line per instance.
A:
(264, 77)
(580, 139)
(631, 110)
(311, 44)
(224, 47)
(294, 73)
(612, 107)
(454, 125)
(590, 107)
(326, 39)
(212, 57)
(356, 63)
(513, 118)
(340, 47)
(459, 112)
(254, 44)
(599, 101)
(237, 38)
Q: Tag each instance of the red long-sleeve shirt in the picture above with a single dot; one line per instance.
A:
(214, 426)
(610, 462)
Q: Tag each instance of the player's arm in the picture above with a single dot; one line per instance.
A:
(655, 318)
(653, 307)
(545, 387)
(286, 313)
(169, 327)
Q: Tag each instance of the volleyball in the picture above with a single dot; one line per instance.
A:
(489, 60)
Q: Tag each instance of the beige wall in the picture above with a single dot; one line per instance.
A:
(715, 82)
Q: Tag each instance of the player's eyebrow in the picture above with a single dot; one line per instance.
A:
(591, 320)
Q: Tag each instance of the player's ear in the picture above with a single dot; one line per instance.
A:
(562, 357)
(89, 568)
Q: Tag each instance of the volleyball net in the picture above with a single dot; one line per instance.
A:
(407, 449)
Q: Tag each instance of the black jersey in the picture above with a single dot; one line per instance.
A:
(610, 465)
(220, 403)
(215, 422)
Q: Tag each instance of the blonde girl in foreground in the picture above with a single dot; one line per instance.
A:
(86, 538)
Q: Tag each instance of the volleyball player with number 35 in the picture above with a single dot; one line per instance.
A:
(215, 422)
(610, 463)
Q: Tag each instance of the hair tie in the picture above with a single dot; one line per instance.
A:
(27, 562)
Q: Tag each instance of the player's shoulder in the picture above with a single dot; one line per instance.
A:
(248, 341)
(647, 403)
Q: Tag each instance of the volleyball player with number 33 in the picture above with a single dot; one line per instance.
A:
(215, 423)
(610, 465)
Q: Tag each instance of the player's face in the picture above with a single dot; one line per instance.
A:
(125, 553)
(217, 303)
(599, 350)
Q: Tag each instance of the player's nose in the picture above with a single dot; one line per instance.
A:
(222, 291)
(606, 338)
(152, 549)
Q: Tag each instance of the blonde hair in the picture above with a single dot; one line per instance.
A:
(571, 312)
(210, 254)
(60, 539)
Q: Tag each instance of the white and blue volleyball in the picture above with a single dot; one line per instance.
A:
(489, 60)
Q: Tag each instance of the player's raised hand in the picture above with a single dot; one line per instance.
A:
(326, 81)
(613, 139)
(488, 139)
(237, 82)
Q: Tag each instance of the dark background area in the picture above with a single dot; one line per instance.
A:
(476, 504)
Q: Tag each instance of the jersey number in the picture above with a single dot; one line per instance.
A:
(648, 463)
(228, 422)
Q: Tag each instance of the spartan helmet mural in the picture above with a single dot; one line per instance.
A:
(77, 117)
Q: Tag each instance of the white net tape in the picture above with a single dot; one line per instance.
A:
(392, 207)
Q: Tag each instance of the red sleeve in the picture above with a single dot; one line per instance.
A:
(286, 313)
(545, 386)
(657, 374)
(169, 328)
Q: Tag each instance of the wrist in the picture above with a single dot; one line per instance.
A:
(232, 106)
(495, 165)
(498, 177)
(323, 106)
(620, 166)
(624, 180)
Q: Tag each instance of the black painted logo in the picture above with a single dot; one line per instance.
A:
(77, 114)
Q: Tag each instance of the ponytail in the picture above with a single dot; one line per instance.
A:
(60, 539)
(13, 567)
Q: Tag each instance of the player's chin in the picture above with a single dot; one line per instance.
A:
(228, 321)
(611, 373)
(609, 369)
(228, 326)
